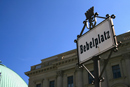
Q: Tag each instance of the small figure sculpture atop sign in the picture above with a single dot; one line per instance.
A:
(91, 18)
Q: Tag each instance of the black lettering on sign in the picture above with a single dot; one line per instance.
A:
(99, 38)
(105, 35)
(102, 38)
(90, 44)
(95, 41)
(87, 45)
(84, 48)
(81, 49)
(108, 36)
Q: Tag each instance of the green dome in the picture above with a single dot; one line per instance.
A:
(8, 78)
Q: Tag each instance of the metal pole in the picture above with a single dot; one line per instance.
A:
(96, 74)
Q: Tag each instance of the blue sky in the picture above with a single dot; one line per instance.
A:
(31, 30)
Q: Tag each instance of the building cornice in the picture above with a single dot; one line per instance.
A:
(52, 67)
(71, 57)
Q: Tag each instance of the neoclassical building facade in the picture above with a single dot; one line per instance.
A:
(61, 70)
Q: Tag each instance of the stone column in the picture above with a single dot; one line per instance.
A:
(127, 62)
(59, 79)
(64, 80)
(104, 75)
(42, 82)
(45, 83)
(79, 77)
(31, 83)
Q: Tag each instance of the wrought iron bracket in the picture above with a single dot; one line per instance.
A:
(88, 71)
(107, 60)
(91, 19)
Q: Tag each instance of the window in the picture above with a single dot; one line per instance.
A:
(52, 83)
(70, 81)
(90, 78)
(38, 85)
(116, 71)
(38, 66)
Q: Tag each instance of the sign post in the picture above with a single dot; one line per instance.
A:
(99, 39)
(96, 72)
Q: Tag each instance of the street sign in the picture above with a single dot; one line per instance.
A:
(96, 41)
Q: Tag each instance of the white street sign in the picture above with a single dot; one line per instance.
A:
(96, 41)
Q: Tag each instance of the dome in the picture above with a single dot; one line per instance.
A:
(8, 78)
